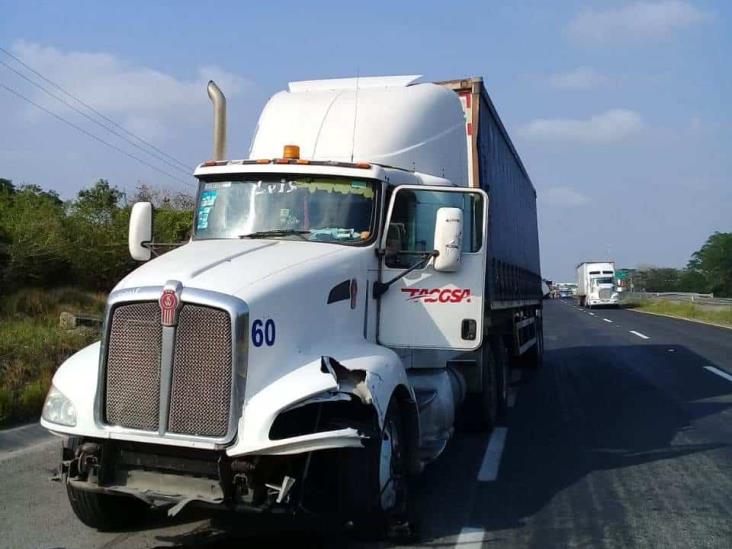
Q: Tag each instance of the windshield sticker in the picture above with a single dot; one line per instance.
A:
(221, 185)
(341, 188)
(208, 199)
(283, 187)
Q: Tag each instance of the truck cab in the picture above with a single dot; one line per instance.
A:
(596, 283)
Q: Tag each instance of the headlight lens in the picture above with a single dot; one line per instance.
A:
(59, 409)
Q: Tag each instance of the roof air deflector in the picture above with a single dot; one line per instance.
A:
(364, 82)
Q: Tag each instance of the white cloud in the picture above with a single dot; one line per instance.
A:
(146, 101)
(563, 196)
(609, 126)
(581, 78)
(635, 22)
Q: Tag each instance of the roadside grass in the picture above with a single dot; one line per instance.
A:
(706, 313)
(33, 345)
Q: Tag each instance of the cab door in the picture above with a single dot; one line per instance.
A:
(427, 308)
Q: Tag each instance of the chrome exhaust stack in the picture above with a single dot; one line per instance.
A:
(219, 129)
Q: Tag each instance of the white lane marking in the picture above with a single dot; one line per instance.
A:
(592, 314)
(608, 320)
(492, 458)
(470, 537)
(719, 372)
(639, 334)
(511, 402)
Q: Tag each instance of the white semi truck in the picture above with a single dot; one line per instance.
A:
(596, 284)
(351, 292)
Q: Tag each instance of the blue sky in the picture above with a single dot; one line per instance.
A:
(620, 110)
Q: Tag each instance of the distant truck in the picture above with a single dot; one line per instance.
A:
(351, 293)
(596, 284)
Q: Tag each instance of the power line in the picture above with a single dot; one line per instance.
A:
(95, 137)
(91, 119)
(95, 111)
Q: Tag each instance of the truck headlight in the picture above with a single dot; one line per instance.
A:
(59, 409)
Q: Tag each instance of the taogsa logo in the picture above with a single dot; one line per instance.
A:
(438, 295)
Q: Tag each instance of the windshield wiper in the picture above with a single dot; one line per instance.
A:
(279, 232)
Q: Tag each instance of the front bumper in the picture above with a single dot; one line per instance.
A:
(613, 302)
(173, 478)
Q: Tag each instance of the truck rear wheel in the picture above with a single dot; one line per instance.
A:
(104, 511)
(535, 354)
(375, 479)
(479, 411)
(490, 395)
(500, 354)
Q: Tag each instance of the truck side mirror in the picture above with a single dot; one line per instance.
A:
(140, 234)
(448, 239)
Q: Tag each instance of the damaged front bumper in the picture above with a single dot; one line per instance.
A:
(173, 478)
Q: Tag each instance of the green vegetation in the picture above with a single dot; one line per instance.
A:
(705, 313)
(32, 344)
(708, 271)
(45, 242)
(62, 256)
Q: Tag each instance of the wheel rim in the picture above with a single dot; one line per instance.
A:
(388, 466)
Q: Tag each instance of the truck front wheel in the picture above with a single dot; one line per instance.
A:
(105, 512)
(375, 479)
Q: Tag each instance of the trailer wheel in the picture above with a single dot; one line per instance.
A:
(500, 354)
(375, 479)
(105, 512)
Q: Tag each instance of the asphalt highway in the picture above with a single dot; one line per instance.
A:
(622, 439)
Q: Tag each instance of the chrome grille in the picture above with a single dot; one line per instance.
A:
(200, 395)
(201, 373)
(133, 366)
(605, 294)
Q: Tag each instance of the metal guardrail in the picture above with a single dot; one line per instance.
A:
(690, 297)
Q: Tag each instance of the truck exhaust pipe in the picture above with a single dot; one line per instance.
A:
(219, 129)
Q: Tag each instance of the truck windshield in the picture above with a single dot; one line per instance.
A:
(319, 208)
(603, 280)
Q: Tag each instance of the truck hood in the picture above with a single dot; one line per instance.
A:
(229, 266)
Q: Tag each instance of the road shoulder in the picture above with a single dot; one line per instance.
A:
(17, 439)
(680, 318)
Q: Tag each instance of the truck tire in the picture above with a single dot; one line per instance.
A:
(479, 411)
(500, 354)
(490, 396)
(106, 512)
(375, 479)
(535, 355)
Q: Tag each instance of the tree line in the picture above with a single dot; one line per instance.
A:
(82, 242)
(708, 271)
(49, 242)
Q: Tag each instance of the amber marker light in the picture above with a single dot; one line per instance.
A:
(291, 152)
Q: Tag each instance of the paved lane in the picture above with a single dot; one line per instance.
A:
(618, 441)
